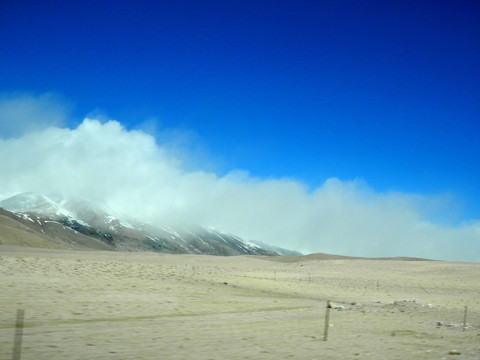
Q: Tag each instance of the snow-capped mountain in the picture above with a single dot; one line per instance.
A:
(83, 223)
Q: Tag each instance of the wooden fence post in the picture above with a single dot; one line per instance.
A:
(17, 344)
(327, 318)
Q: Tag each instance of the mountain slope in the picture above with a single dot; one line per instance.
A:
(80, 223)
(24, 230)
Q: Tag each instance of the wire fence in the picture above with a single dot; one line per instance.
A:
(225, 333)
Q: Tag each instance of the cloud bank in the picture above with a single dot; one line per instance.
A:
(132, 173)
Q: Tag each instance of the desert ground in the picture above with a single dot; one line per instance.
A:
(114, 305)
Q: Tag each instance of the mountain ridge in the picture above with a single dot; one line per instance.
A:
(80, 223)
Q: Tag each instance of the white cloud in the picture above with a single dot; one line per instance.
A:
(132, 173)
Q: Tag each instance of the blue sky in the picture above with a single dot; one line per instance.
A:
(385, 92)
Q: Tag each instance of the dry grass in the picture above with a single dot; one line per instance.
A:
(111, 305)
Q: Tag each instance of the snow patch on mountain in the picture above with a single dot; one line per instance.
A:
(30, 203)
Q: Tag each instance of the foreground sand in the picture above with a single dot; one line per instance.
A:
(111, 305)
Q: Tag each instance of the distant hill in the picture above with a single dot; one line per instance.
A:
(323, 256)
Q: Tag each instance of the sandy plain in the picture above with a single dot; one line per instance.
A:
(113, 305)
